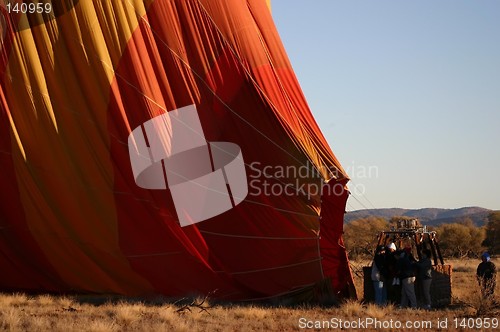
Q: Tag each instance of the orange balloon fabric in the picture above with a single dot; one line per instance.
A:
(77, 80)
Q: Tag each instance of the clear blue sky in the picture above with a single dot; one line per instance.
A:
(411, 88)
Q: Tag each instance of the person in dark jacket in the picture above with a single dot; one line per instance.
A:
(424, 270)
(406, 271)
(390, 272)
(486, 276)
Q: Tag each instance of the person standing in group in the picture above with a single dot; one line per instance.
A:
(424, 268)
(486, 276)
(407, 276)
(378, 279)
(390, 271)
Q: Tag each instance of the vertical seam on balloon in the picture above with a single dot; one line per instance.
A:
(212, 163)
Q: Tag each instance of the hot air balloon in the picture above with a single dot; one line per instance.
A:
(162, 147)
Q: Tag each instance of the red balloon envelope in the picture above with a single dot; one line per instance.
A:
(163, 147)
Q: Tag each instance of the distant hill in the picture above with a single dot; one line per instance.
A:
(427, 216)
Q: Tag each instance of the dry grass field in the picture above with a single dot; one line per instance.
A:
(20, 312)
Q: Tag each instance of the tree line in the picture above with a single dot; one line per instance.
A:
(459, 239)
